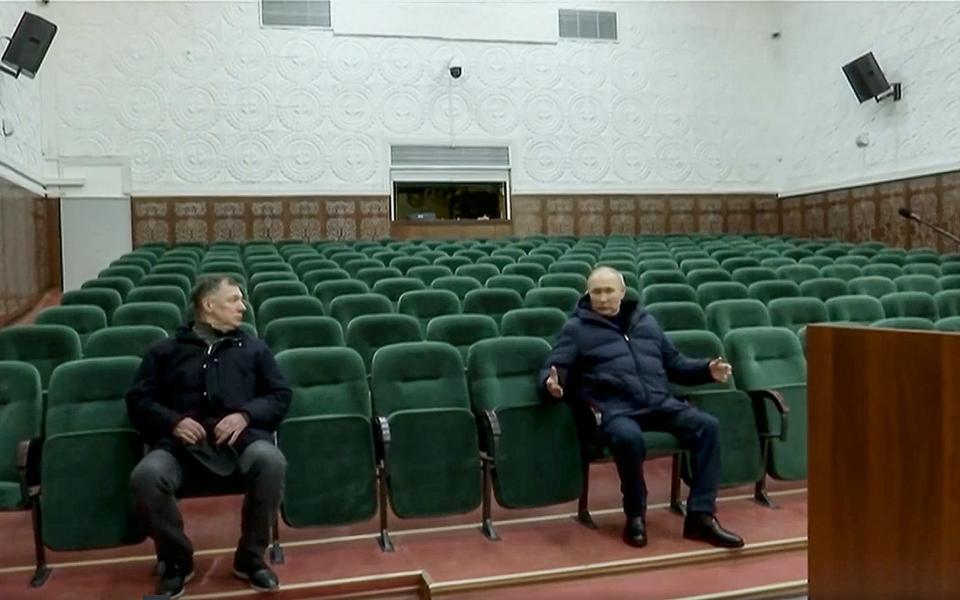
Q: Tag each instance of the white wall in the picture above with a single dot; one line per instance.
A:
(917, 44)
(95, 221)
(207, 102)
(20, 109)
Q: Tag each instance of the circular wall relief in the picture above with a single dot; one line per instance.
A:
(670, 120)
(402, 110)
(148, 157)
(541, 68)
(251, 158)
(497, 114)
(632, 161)
(586, 69)
(82, 106)
(193, 14)
(298, 61)
(400, 63)
(446, 109)
(142, 106)
(303, 158)
(631, 116)
(628, 75)
(300, 110)
(194, 55)
(241, 15)
(195, 108)
(710, 164)
(354, 158)
(497, 67)
(589, 161)
(198, 159)
(542, 114)
(249, 108)
(672, 165)
(89, 143)
(78, 51)
(587, 115)
(141, 55)
(247, 59)
(543, 161)
(350, 62)
(352, 109)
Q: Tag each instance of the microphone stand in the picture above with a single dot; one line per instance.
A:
(936, 228)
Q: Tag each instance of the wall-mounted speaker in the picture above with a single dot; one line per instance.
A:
(28, 46)
(867, 78)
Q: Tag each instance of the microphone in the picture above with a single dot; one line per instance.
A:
(906, 213)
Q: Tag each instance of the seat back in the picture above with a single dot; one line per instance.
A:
(158, 293)
(480, 272)
(326, 438)
(368, 333)
(84, 319)
(429, 274)
(536, 457)
(433, 459)
(724, 316)
(562, 298)
(948, 303)
(700, 276)
(106, 299)
(491, 302)
(910, 304)
(458, 284)
(424, 305)
(160, 314)
(328, 291)
(771, 358)
(44, 346)
(276, 289)
(765, 291)
(877, 287)
(120, 340)
(720, 290)
(916, 323)
(668, 292)
(21, 411)
(285, 307)
(750, 275)
(395, 287)
(674, 316)
(573, 281)
(854, 309)
(89, 451)
(917, 283)
(347, 307)
(518, 283)
(121, 284)
(796, 313)
(462, 331)
(543, 323)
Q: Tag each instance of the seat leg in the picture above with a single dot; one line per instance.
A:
(42, 571)
(276, 550)
(676, 501)
(583, 512)
(383, 540)
(487, 524)
(760, 495)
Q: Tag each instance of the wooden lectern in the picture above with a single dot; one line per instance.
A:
(884, 468)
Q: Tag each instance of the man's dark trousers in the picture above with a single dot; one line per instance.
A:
(157, 477)
(696, 431)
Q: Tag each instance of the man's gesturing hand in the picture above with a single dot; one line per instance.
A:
(553, 384)
(189, 431)
(720, 370)
(230, 427)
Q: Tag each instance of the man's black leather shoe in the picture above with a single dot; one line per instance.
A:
(704, 527)
(173, 582)
(635, 532)
(260, 576)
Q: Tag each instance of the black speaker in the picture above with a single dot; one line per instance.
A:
(865, 77)
(28, 45)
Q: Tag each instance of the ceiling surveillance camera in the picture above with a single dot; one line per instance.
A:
(455, 70)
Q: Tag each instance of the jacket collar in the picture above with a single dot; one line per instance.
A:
(185, 333)
(629, 307)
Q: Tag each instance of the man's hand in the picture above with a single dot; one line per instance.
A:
(553, 384)
(230, 427)
(189, 431)
(720, 369)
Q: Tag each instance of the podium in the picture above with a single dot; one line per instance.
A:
(884, 463)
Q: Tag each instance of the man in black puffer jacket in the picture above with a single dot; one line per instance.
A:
(614, 355)
(208, 402)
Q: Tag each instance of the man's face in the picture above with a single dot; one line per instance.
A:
(225, 306)
(606, 293)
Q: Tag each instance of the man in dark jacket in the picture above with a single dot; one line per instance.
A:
(208, 402)
(616, 357)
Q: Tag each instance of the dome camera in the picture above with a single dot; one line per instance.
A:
(455, 69)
